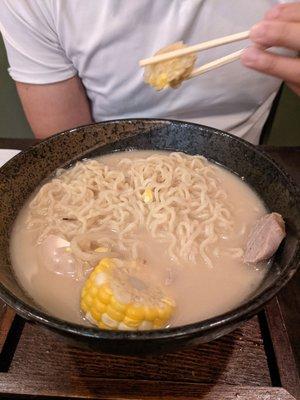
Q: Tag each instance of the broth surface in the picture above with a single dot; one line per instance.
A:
(200, 292)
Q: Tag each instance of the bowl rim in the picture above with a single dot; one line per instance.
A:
(234, 316)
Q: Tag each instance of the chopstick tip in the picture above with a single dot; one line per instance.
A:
(142, 63)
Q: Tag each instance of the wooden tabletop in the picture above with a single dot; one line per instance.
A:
(256, 361)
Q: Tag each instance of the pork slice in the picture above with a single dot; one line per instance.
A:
(265, 238)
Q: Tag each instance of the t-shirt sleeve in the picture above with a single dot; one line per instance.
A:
(33, 47)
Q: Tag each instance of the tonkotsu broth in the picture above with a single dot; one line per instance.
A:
(199, 291)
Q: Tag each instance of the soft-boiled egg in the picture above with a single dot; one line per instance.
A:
(55, 253)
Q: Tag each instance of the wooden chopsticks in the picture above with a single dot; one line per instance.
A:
(216, 63)
(195, 48)
(199, 47)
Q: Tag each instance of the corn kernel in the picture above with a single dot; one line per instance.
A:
(97, 269)
(107, 320)
(104, 294)
(150, 313)
(84, 306)
(88, 284)
(93, 276)
(96, 314)
(89, 317)
(117, 305)
(136, 313)
(101, 307)
(88, 300)
(102, 325)
(148, 196)
(106, 289)
(93, 291)
(114, 314)
(106, 263)
(131, 322)
(124, 327)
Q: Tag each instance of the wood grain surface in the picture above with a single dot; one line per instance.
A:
(289, 297)
(236, 359)
(7, 316)
(289, 376)
(134, 389)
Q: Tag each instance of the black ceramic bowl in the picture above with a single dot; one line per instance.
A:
(21, 175)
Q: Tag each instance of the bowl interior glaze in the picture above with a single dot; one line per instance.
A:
(21, 175)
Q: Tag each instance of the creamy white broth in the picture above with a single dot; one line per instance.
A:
(199, 291)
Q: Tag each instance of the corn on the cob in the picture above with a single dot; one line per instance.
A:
(113, 297)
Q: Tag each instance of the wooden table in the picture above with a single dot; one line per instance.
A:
(256, 361)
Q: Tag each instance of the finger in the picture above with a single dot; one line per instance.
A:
(285, 68)
(284, 12)
(276, 33)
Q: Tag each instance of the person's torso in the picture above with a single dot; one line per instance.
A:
(105, 40)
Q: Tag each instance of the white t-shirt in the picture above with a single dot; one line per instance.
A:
(103, 40)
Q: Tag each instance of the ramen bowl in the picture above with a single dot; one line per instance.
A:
(26, 171)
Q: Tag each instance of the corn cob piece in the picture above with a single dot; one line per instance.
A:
(114, 297)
